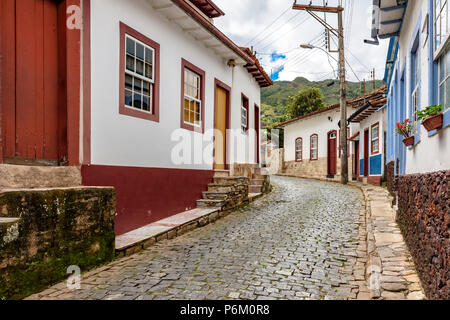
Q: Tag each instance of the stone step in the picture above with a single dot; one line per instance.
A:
(262, 171)
(231, 180)
(176, 225)
(208, 203)
(258, 176)
(216, 195)
(221, 187)
(8, 221)
(256, 182)
(32, 177)
(221, 173)
(255, 189)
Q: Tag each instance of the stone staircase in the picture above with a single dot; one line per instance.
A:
(225, 192)
(257, 182)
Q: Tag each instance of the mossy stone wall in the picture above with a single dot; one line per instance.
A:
(58, 228)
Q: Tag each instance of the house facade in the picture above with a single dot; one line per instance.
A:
(312, 143)
(369, 141)
(417, 76)
(147, 96)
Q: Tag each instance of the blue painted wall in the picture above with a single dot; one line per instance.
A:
(375, 165)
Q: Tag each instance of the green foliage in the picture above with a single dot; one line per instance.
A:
(307, 100)
(429, 111)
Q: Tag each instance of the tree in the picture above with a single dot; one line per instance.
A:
(305, 101)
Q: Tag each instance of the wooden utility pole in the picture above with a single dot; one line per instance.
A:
(343, 95)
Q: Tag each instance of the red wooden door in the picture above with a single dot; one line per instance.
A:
(32, 93)
(332, 152)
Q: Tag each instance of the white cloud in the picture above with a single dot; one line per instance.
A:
(245, 19)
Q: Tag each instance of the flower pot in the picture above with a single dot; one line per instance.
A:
(433, 122)
(409, 141)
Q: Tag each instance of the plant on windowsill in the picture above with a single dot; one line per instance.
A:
(431, 117)
(405, 129)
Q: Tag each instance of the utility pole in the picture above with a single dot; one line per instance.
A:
(312, 9)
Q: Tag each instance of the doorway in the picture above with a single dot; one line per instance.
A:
(221, 124)
(33, 96)
(366, 153)
(332, 153)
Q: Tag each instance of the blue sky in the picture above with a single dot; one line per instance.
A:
(248, 22)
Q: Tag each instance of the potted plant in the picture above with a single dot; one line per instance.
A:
(405, 129)
(431, 117)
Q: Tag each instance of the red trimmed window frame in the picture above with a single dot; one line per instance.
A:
(310, 147)
(124, 110)
(190, 66)
(372, 152)
(245, 102)
(296, 158)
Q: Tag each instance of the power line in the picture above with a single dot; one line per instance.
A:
(273, 22)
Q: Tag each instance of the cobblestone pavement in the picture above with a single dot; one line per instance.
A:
(302, 241)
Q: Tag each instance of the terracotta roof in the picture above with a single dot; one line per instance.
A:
(355, 103)
(208, 7)
(253, 65)
(257, 70)
(367, 110)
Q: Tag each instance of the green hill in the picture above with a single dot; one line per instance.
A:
(275, 98)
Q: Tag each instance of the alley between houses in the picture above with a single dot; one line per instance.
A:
(299, 242)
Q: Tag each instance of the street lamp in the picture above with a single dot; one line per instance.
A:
(308, 46)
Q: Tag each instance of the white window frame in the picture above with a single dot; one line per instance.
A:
(375, 138)
(444, 100)
(443, 33)
(143, 78)
(415, 93)
(299, 150)
(244, 116)
(314, 150)
(193, 99)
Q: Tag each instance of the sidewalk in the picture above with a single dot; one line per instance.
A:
(390, 270)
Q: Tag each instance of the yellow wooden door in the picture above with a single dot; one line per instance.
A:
(221, 129)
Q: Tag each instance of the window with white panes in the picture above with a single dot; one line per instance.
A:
(314, 147)
(192, 98)
(299, 149)
(139, 75)
(441, 22)
(244, 114)
(415, 91)
(375, 138)
(444, 79)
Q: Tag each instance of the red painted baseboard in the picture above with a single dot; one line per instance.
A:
(374, 180)
(146, 195)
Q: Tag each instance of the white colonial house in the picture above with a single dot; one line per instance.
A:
(312, 142)
(369, 142)
(418, 168)
(147, 96)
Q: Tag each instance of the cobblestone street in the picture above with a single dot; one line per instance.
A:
(302, 241)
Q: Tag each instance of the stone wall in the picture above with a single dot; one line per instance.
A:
(424, 217)
(274, 161)
(390, 177)
(314, 168)
(55, 229)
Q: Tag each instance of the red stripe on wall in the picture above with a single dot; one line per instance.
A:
(146, 195)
